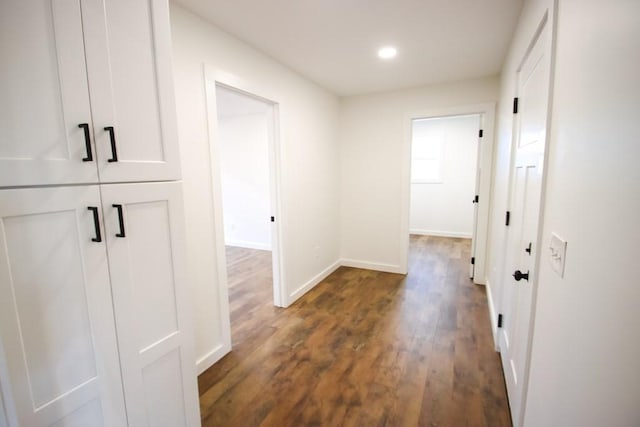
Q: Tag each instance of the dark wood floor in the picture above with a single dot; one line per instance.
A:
(362, 348)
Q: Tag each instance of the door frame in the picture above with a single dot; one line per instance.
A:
(217, 78)
(485, 162)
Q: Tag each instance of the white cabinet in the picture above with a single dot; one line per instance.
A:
(68, 263)
(94, 319)
(56, 318)
(128, 50)
(144, 236)
(44, 95)
(87, 93)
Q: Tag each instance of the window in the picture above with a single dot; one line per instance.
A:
(427, 145)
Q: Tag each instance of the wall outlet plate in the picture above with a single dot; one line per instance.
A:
(557, 253)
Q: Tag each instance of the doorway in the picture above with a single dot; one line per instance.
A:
(448, 174)
(443, 175)
(244, 141)
(244, 132)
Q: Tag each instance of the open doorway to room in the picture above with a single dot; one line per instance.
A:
(449, 174)
(244, 169)
(444, 153)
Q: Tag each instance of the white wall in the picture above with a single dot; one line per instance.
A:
(310, 173)
(244, 168)
(445, 208)
(585, 365)
(372, 132)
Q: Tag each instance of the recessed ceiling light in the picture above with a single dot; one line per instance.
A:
(387, 52)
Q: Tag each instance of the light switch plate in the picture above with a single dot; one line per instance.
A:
(557, 253)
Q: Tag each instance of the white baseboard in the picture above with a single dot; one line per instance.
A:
(387, 268)
(493, 316)
(440, 233)
(293, 297)
(248, 245)
(212, 357)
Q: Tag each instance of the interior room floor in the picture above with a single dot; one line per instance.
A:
(250, 282)
(363, 348)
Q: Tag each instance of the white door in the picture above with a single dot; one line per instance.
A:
(144, 226)
(57, 328)
(523, 240)
(128, 48)
(45, 118)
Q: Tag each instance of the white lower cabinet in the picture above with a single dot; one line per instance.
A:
(92, 308)
(144, 235)
(56, 317)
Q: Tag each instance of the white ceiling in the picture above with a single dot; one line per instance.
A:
(334, 42)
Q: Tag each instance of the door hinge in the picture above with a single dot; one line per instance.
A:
(473, 260)
(507, 218)
(273, 219)
(515, 105)
(480, 133)
(500, 320)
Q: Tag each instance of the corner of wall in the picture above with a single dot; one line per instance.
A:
(311, 283)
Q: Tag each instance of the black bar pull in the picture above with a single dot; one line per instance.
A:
(87, 142)
(114, 152)
(96, 224)
(120, 220)
(528, 249)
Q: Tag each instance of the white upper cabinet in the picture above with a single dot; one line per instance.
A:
(44, 95)
(128, 48)
(86, 92)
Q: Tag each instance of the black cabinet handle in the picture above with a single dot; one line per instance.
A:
(519, 275)
(87, 142)
(96, 224)
(120, 220)
(114, 152)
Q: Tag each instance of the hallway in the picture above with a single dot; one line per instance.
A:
(364, 348)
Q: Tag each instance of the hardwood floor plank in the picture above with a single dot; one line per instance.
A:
(363, 348)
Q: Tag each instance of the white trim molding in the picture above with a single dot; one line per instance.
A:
(212, 357)
(493, 316)
(366, 265)
(248, 245)
(311, 283)
(440, 233)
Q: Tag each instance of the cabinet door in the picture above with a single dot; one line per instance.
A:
(43, 95)
(128, 45)
(57, 328)
(144, 226)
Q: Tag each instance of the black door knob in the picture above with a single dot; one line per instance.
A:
(519, 275)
